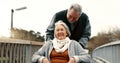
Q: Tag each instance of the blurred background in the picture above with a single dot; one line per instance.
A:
(28, 19)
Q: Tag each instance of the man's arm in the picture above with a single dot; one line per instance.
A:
(50, 29)
(87, 33)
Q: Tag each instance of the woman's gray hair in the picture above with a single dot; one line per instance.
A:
(76, 7)
(60, 22)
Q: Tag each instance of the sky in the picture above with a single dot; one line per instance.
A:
(103, 14)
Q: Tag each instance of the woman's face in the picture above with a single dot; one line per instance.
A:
(60, 32)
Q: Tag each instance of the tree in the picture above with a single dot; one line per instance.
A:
(103, 38)
(27, 35)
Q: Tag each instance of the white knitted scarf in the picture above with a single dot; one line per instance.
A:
(61, 45)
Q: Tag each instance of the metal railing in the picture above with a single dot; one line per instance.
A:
(20, 51)
(110, 53)
(17, 51)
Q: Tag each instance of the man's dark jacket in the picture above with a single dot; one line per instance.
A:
(81, 31)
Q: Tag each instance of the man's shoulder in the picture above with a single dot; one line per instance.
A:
(62, 11)
(84, 14)
(61, 15)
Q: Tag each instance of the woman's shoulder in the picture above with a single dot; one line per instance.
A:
(74, 42)
(48, 43)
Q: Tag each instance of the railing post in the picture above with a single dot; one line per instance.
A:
(28, 53)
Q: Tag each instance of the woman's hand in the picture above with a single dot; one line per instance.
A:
(72, 60)
(45, 60)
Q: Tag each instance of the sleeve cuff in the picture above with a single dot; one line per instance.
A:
(40, 60)
(76, 59)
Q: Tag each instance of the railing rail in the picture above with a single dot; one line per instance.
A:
(109, 52)
(17, 51)
(100, 60)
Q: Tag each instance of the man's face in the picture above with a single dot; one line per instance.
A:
(73, 16)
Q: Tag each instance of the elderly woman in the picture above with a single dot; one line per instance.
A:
(61, 49)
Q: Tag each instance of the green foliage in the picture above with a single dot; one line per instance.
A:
(27, 35)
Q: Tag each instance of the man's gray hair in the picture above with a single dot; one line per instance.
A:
(76, 7)
(60, 22)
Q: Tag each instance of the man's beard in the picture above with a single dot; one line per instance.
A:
(71, 21)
